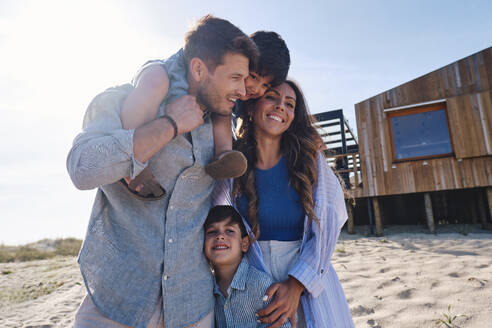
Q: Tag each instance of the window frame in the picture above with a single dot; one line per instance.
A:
(417, 110)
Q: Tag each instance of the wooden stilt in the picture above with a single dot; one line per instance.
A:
(350, 221)
(444, 201)
(489, 198)
(377, 214)
(370, 214)
(481, 211)
(428, 212)
(473, 211)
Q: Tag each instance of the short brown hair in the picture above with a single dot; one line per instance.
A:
(212, 38)
(221, 213)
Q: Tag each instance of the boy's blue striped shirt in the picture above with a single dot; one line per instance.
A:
(244, 298)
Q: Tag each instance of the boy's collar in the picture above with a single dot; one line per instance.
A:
(239, 280)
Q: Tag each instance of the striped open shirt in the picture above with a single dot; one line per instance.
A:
(323, 301)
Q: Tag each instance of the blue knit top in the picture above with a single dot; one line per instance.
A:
(280, 213)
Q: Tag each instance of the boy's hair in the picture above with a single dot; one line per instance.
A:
(274, 59)
(212, 38)
(225, 212)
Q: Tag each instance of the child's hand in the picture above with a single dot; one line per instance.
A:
(186, 112)
(286, 296)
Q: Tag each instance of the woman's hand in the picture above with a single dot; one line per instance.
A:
(286, 296)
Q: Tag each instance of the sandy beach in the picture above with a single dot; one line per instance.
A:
(399, 280)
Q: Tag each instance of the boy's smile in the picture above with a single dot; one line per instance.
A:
(223, 243)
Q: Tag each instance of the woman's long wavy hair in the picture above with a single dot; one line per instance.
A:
(299, 145)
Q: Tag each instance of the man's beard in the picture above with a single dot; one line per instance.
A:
(205, 98)
(208, 98)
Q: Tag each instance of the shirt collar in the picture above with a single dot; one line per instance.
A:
(239, 280)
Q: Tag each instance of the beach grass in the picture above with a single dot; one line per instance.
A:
(41, 250)
(449, 319)
(29, 292)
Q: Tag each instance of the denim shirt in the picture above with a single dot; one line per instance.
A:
(244, 299)
(135, 251)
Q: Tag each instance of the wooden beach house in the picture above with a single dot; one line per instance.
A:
(424, 150)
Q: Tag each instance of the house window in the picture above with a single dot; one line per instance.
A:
(420, 132)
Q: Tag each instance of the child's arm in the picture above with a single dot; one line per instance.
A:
(227, 163)
(142, 104)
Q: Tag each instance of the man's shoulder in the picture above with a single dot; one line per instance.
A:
(106, 106)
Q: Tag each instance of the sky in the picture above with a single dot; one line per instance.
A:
(55, 56)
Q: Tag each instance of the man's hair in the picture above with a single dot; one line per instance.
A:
(214, 37)
(220, 213)
(274, 57)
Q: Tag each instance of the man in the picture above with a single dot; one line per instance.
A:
(143, 260)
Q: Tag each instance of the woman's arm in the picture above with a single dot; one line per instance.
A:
(329, 206)
(284, 305)
(222, 193)
(314, 259)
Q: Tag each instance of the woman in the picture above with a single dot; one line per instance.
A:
(295, 207)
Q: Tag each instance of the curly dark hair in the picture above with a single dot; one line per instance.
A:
(299, 145)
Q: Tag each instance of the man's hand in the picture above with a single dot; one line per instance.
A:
(286, 296)
(186, 112)
(150, 138)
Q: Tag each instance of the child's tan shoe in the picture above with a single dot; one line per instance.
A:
(229, 164)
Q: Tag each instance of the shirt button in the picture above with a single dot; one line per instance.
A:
(170, 240)
(165, 277)
(322, 270)
(171, 207)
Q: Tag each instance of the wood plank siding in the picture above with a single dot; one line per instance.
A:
(465, 88)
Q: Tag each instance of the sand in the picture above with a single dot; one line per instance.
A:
(410, 280)
(43, 293)
(400, 280)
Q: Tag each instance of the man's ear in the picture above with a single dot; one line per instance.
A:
(245, 244)
(198, 69)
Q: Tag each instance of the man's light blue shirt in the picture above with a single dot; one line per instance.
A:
(136, 251)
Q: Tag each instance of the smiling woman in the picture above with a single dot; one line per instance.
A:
(291, 193)
(274, 113)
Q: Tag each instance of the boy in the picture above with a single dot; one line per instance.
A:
(270, 69)
(239, 287)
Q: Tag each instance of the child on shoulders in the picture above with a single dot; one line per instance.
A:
(168, 79)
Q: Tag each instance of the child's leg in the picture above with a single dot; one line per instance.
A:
(222, 133)
(227, 162)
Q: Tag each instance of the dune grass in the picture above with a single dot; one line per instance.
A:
(31, 252)
(30, 292)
